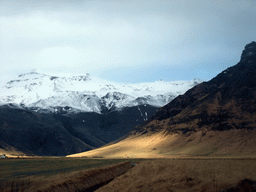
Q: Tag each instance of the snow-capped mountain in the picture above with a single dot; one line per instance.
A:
(87, 94)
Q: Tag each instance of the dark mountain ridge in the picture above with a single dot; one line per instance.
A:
(228, 101)
(63, 133)
(213, 119)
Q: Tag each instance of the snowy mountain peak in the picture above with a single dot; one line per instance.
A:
(86, 93)
(35, 75)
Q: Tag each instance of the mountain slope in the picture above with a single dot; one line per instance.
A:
(38, 134)
(228, 101)
(65, 133)
(213, 118)
(50, 115)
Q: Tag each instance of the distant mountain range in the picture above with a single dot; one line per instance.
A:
(48, 115)
(87, 94)
(214, 118)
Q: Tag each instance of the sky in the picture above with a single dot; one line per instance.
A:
(124, 40)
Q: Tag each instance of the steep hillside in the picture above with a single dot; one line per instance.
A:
(213, 118)
(64, 133)
(58, 115)
(226, 102)
(38, 134)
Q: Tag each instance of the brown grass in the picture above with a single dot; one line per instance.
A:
(77, 181)
(178, 174)
(233, 143)
(11, 152)
(199, 161)
(16, 169)
(184, 175)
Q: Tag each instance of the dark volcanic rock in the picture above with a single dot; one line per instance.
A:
(228, 101)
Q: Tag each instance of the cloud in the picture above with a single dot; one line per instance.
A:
(102, 35)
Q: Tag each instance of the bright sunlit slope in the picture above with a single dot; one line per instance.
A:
(235, 143)
(10, 151)
(214, 118)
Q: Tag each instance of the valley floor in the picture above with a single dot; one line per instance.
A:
(86, 174)
(184, 175)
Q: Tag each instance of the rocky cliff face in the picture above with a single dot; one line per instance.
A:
(228, 101)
